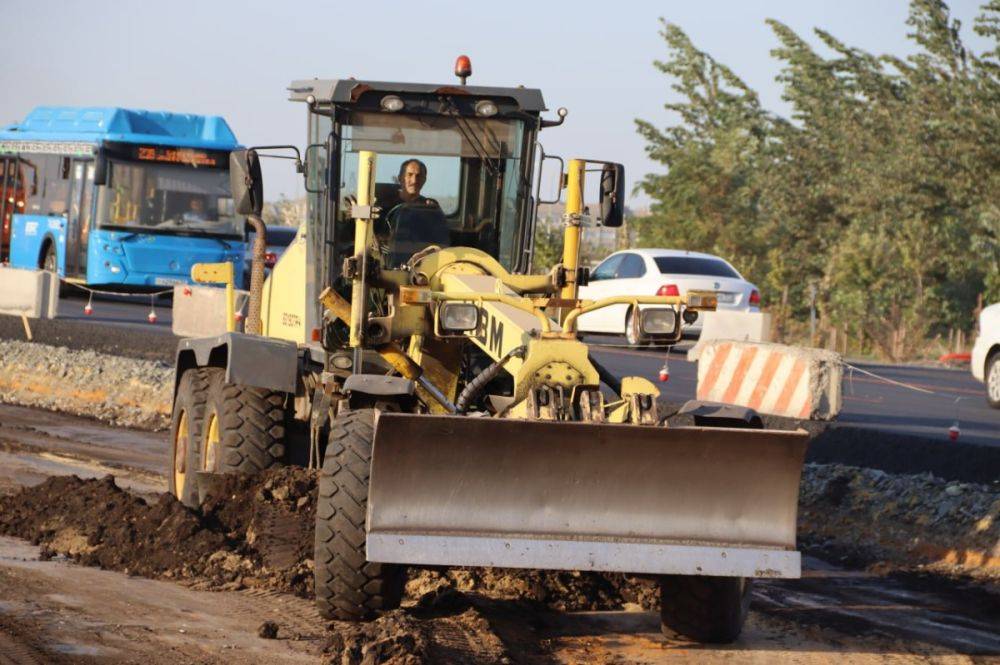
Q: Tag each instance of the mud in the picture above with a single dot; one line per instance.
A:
(257, 534)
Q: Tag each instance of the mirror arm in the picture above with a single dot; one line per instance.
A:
(299, 166)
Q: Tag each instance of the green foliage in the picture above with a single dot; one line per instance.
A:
(881, 189)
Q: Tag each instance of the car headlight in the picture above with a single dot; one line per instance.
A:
(658, 321)
(458, 317)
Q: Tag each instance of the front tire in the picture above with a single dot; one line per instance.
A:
(710, 610)
(244, 429)
(993, 380)
(348, 587)
(50, 261)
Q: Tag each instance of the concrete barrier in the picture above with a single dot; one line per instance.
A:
(200, 311)
(736, 326)
(781, 380)
(31, 293)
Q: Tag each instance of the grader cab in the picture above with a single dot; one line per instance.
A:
(403, 347)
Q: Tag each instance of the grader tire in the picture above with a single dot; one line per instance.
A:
(704, 609)
(244, 430)
(186, 423)
(348, 587)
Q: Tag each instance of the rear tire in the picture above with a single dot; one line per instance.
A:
(711, 610)
(348, 587)
(186, 424)
(244, 429)
(992, 377)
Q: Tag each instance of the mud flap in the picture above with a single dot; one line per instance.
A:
(463, 491)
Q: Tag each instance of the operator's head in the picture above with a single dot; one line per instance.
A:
(197, 204)
(412, 176)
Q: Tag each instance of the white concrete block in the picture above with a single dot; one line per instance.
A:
(200, 311)
(781, 380)
(33, 293)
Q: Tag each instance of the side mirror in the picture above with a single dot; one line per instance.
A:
(100, 168)
(612, 195)
(246, 182)
(316, 167)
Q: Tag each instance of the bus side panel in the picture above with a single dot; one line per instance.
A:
(145, 259)
(30, 234)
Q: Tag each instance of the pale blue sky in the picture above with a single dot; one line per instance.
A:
(235, 58)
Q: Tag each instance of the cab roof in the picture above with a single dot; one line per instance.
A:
(112, 123)
(347, 91)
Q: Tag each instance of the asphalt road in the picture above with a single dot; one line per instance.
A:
(868, 402)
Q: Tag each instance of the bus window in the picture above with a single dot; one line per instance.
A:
(169, 198)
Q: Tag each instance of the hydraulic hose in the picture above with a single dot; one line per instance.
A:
(607, 378)
(476, 386)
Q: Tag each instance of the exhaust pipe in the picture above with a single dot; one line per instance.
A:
(253, 323)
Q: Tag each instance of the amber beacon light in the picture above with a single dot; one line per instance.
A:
(463, 67)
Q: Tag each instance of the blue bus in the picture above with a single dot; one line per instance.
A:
(118, 197)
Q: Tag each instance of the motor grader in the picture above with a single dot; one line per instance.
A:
(407, 351)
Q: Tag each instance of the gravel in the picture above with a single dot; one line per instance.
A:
(126, 392)
(870, 516)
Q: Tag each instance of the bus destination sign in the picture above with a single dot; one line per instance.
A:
(185, 156)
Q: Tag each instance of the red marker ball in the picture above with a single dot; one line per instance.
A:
(664, 375)
(88, 310)
(152, 317)
(953, 432)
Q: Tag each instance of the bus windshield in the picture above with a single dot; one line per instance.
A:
(444, 181)
(167, 198)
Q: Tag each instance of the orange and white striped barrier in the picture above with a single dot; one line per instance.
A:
(781, 380)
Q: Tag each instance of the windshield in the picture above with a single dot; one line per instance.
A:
(165, 198)
(694, 265)
(467, 175)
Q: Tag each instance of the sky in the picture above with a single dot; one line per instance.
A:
(236, 58)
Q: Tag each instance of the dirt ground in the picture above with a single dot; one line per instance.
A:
(211, 585)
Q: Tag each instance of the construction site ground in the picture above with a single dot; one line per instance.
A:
(79, 587)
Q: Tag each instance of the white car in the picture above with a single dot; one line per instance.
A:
(986, 353)
(665, 272)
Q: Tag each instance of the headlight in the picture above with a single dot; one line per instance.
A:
(392, 103)
(458, 317)
(658, 321)
(486, 108)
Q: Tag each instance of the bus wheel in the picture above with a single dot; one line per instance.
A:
(49, 261)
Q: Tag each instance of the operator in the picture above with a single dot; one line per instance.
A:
(196, 210)
(411, 179)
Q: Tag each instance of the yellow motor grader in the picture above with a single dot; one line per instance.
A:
(402, 347)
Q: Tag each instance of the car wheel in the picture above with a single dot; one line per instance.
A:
(632, 335)
(993, 380)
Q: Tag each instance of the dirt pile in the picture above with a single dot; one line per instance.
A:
(258, 533)
(560, 590)
(869, 516)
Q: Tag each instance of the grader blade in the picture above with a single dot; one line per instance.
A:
(464, 491)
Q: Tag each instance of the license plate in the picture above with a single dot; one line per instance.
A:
(168, 281)
(727, 298)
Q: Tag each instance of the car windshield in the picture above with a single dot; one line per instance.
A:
(694, 265)
(470, 169)
(169, 199)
